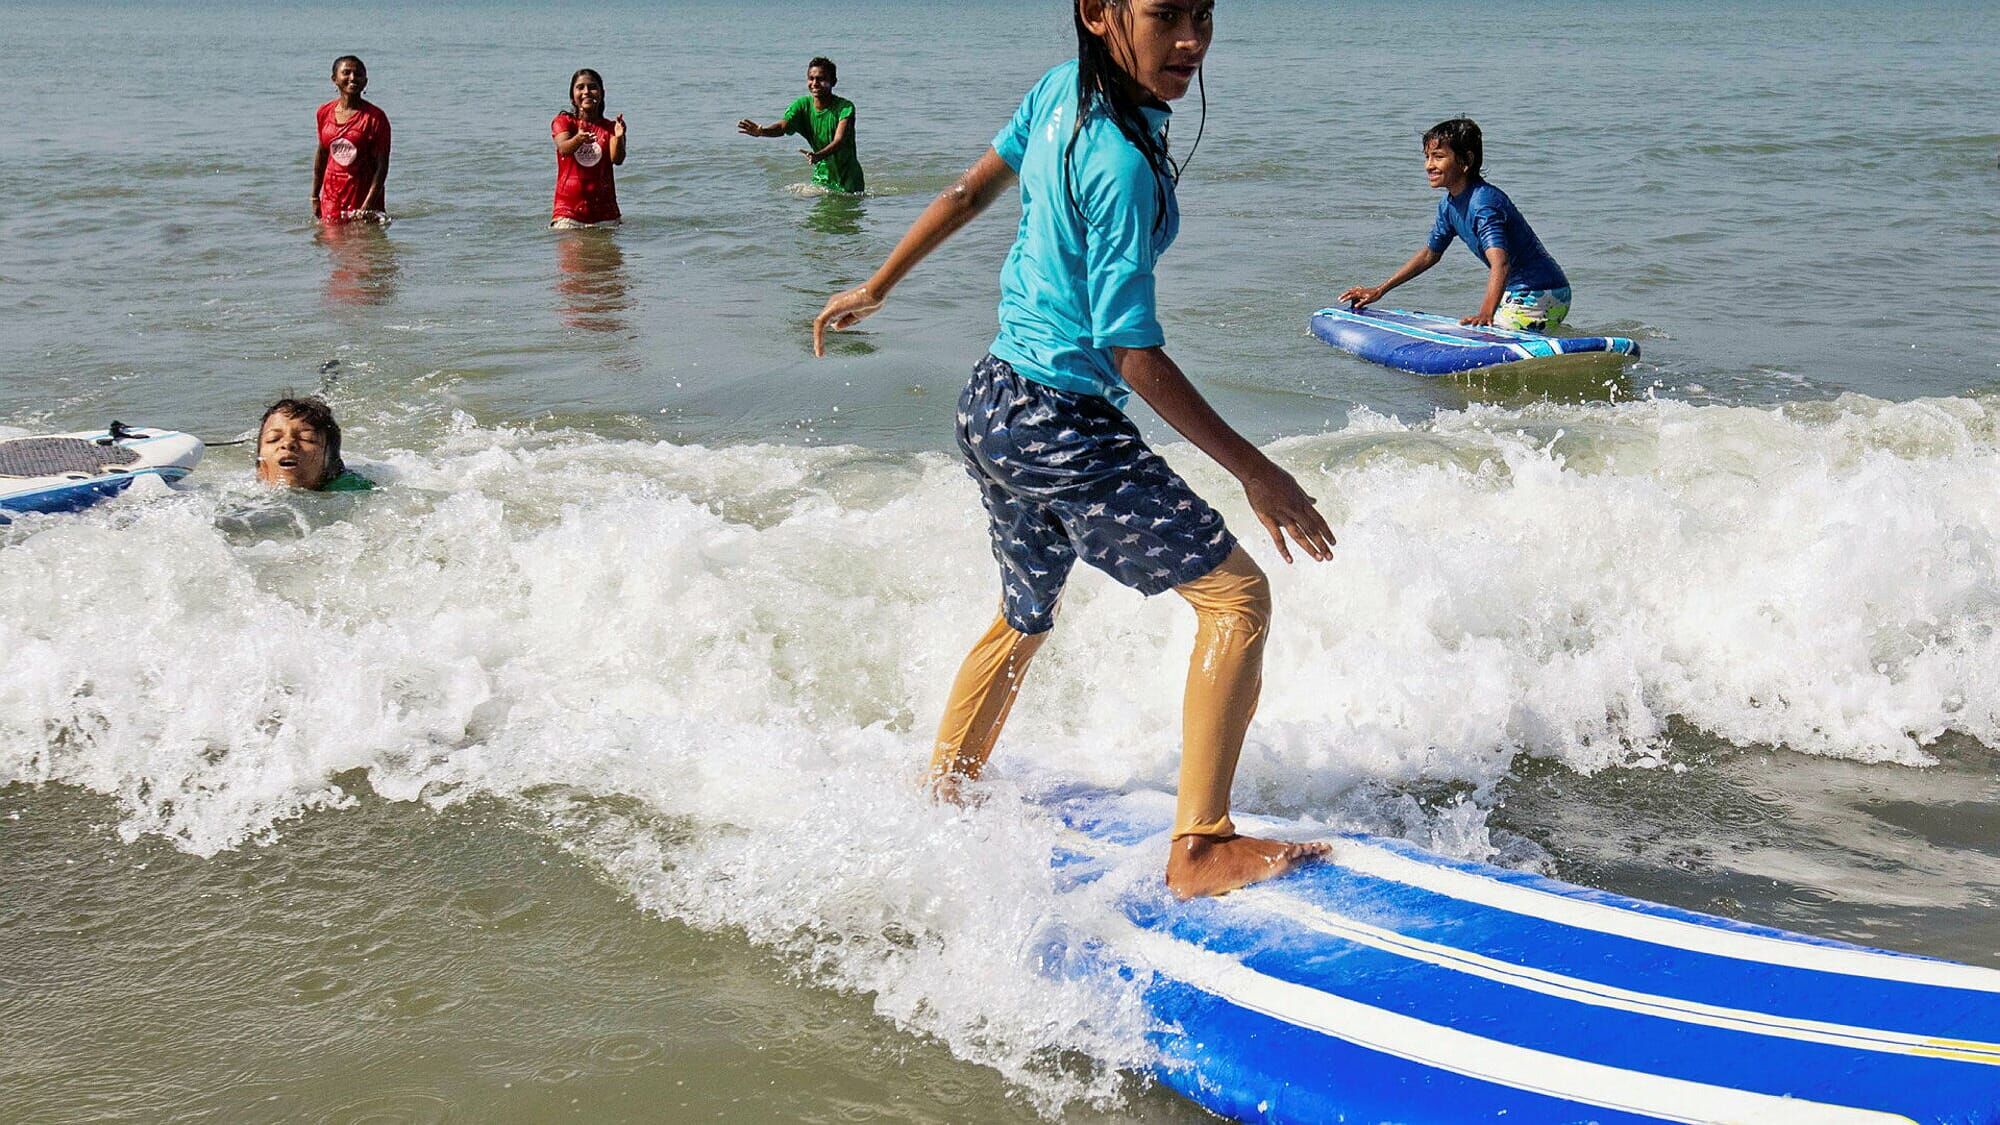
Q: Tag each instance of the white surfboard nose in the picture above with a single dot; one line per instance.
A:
(161, 448)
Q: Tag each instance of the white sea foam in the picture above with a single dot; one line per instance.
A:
(713, 670)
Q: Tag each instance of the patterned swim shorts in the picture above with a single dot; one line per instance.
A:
(1066, 475)
(1532, 310)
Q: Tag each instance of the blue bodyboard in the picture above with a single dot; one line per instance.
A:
(1428, 344)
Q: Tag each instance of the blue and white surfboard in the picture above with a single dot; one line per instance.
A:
(66, 472)
(1392, 985)
(1428, 344)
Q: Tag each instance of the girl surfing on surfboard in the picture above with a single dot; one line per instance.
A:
(1063, 473)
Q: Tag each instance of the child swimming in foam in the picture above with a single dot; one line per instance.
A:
(826, 121)
(1525, 288)
(1062, 471)
(351, 164)
(298, 446)
(587, 147)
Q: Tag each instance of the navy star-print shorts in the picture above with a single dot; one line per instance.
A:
(1066, 475)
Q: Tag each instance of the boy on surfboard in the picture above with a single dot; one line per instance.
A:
(1525, 288)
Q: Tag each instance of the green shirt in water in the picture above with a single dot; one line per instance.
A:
(348, 481)
(841, 169)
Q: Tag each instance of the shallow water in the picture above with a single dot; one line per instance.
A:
(570, 773)
(388, 964)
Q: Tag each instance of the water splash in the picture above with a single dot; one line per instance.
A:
(712, 671)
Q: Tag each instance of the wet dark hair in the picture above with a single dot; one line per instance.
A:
(355, 59)
(1099, 86)
(826, 64)
(316, 413)
(1461, 136)
(581, 71)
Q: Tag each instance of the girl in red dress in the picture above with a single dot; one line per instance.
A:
(587, 147)
(351, 164)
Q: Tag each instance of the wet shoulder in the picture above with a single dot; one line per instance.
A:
(349, 481)
(1486, 197)
(1108, 161)
(1050, 104)
(1057, 84)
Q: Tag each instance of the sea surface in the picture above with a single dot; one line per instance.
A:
(570, 776)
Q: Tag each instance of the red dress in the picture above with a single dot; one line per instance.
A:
(584, 191)
(353, 152)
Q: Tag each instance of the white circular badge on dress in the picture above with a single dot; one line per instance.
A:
(588, 154)
(343, 151)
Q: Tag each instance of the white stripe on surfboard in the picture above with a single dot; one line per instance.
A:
(1487, 1060)
(1380, 862)
(1606, 996)
(1543, 347)
(1380, 320)
(1694, 937)
(1431, 336)
(1274, 900)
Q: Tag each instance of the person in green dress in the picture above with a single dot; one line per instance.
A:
(298, 446)
(826, 121)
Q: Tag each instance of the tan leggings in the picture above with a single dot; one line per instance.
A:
(1233, 606)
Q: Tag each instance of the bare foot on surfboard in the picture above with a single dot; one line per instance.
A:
(1208, 865)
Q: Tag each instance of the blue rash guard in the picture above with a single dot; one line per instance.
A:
(1483, 217)
(1062, 471)
(1076, 286)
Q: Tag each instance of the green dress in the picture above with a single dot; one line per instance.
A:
(841, 169)
(348, 481)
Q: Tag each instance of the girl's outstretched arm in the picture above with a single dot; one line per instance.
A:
(618, 139)
(1280, 504)
(956, 206)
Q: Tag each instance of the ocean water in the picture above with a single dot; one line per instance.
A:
(570, 776)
